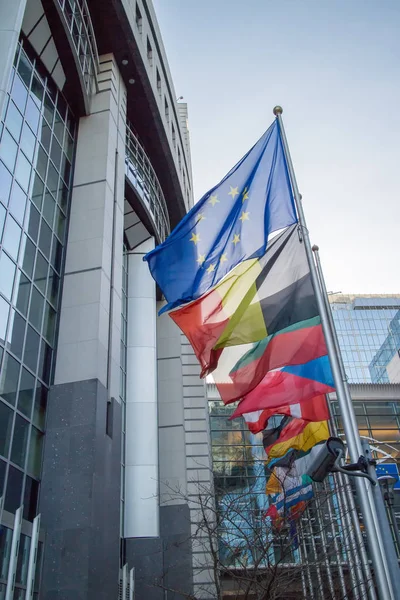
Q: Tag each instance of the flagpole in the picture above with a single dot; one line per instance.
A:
(384, 585)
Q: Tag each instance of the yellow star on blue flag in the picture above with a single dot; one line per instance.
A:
(220, 231)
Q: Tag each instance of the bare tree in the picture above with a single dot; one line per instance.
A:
(244, 555)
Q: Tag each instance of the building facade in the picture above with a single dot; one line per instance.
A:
(95, 170)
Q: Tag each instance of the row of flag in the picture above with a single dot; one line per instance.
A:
(244, 298)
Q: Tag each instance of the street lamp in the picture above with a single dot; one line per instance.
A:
(387, 483)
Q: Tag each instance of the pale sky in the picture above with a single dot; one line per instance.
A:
(334, 67)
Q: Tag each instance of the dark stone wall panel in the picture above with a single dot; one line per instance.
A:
(80, 494)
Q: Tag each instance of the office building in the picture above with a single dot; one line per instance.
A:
(95, 170)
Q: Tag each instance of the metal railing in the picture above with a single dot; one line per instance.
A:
(78, 22)
(142, 176)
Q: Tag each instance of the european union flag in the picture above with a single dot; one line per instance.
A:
(229, 224)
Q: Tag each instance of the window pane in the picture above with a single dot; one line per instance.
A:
(49, 208)
(44, 362)
(52, 179)
(25, 68)
(12, 237)
(53, 288)
(2, 220)
(19, 93)
(49, 323)
(18, 203)
(35, 452)
(6, 416)
(5, 183)
(2, 481)
(27, 255)
(28, 142)
(26, 392)
(41, 268)
(14, 490)
(33, 222)
(23, 171)
(5, 552)
(37, 89)
(45, 136)
(7, 272)
(20, 440)
(36, 309)
(4, 310)
(56, 254)
(45, 238)
(32, 115)
(14, 121)
(41, 164)
(55, 153)
(39, 408)
(22, 289)
(31, 349)
(23, 560)
(48, 109)
(16, 333)
(37, 191)
(30, 498)
(59, 224)
(8, 150)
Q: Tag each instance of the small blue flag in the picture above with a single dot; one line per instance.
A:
(231, 223)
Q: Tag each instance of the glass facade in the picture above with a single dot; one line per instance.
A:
(36, 151)
(369, 335)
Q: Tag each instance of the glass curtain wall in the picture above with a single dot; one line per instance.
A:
(36, 151)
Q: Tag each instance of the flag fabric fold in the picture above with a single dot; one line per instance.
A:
(255, 301)
(231, 223)
(294, 384)
(311, 435)
(314, 409)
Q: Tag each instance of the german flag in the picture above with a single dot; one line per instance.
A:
(259, 301)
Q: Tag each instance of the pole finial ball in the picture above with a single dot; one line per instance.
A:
(278, 110)
(315, 248)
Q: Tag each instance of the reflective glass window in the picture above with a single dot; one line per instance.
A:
(53, 288)
(4, 311)
(28, 142)
(44, 362)
(26, 392)
(28, 255)
(5, 183)
(18, 203)
(48, 109)
(52, 179)
(14, 121)
(8, 150)
(23, 171)
(12, 237)
(55, 153)
(20, 441)
(35, 452)
(33, 222)
(49, 323)
(59, 127)
(14, 490)
(16, 333)
(41, 164)
(45, 239)
(19, 93)
(37, 190)
(30, 498)
(41, 269)
(6, 418)
(7, 273)
(36, 309)
(32, 115)
(56, 255)
(3, 468)
(37, 89)
(31, 352)
(25, 68)
(45, 136)
(39, 408)
(2, 220)
(5, 553)
(23, 559)
(49, 208)
(22, 291)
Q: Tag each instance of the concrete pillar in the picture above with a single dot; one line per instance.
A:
(141, 453)
(81, 483)
(11, 16)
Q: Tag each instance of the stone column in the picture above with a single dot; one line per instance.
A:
(80, 491)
